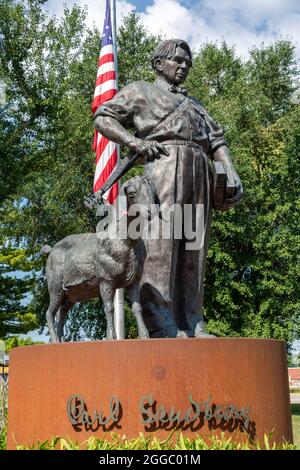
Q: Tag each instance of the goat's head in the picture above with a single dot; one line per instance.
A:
(140, 196)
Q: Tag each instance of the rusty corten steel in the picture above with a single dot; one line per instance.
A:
(176, 373)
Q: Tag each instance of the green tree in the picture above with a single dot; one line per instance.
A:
(252, 276)
(273, 70)
(135, 48)
(15, 342)
(57, 60)
(15, 317)
(43, 152)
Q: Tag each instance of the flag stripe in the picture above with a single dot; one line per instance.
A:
(106, 86)
(112, 193)
(108, 67)
(105, 77)
(105, 154)
(100, 99)
(105, 89)
(108, 49)
(100, 147)
(106, 58)
(105, 171)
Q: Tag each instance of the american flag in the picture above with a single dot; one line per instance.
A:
(106, 88)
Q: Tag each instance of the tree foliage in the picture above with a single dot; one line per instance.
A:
(252, 276)
(15, 317)
(46, 165)
(15, 341)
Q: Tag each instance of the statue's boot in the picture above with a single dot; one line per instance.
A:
(201, 333)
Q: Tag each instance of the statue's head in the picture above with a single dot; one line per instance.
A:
(172, 59)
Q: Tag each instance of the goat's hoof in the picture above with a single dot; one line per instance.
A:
(181, 334)
(144, 336)
(203, 334)
(55, 341)
(111, 336)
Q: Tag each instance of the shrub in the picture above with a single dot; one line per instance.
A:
(143, 442)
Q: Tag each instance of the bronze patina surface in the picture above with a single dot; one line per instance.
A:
(199, 386)
(178, 141)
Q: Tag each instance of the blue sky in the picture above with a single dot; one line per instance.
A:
(244, 23)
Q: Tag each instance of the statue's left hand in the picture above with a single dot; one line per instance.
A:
(238, 194)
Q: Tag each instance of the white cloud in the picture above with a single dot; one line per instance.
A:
(250, 12)
(96, 9)
(244, 23)
(170, 18)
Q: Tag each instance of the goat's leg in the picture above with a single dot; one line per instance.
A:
(107, 293)
(134, 297)
(50, 315)
(64, 308)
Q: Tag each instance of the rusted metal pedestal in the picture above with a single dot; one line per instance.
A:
(197, 386)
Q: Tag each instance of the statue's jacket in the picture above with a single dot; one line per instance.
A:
(172, 281)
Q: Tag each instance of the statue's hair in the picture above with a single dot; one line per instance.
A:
(167, 50)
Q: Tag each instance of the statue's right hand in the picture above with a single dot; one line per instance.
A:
(149, 149)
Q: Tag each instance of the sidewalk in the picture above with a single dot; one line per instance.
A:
(295, 398)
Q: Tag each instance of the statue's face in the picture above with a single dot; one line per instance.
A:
(175, 70)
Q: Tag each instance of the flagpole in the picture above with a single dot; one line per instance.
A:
(114, 34)
(119, 296)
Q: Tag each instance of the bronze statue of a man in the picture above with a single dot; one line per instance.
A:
(177, 138)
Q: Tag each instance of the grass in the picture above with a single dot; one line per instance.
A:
(145, 442)
(296, 423)
(178, 442)
(3, 436)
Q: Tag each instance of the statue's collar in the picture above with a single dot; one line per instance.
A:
(172, 88)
